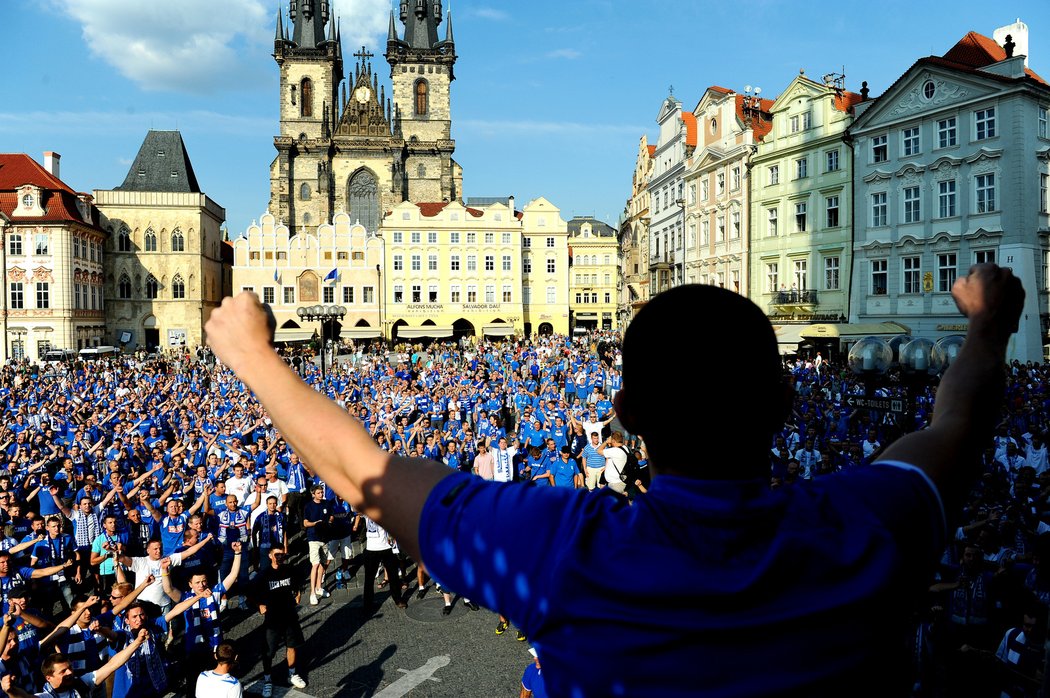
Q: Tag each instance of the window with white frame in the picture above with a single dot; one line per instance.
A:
(801, 216)
(508, 294)
(399, 237)
(705, 233)
(831, 160)
(734, 178)
(417, 262)
(490, 238)
(911, 275)
(432, 293)
(507, 238)
(453, 237)
(432, 262)
(734, 279)
(1043, 203)
(472, 238)
(831, 273)
(720, 183)
(399, 262)
(348, 294)
(912, 207)
(703, 189)
(552, 294)
(368, 294)
(432, 237)
(328, 294)
(269, 295)
(14, 243)
(879, 277)
(771, 222)
(526, 243)
(1043, 114)
(984, 256)
(720, 229)
(550, 242)
(984, 123)
(41, 244)
(288, 294)
(984, 188)
(947, 132)
(692, 193)
(472, 293)
(490, 293)
(774, 174)
(490, 262)
(947, 271)
(453, 294)
(17, 294)
(772, 277)
(692, 234)
(946, 201)
(526, 265)
(472, 262)
(801, 274)
(831, 211)
(526, 295)
(801, 168)
(878, 209)
(507, 263)
(416, 236)
(734, 230)
(910, 144)
(879, 148)
(453, 262)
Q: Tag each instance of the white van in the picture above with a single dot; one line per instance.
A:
(58, 355)
(102, 352)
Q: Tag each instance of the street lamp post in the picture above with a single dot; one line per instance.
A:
(324, 314)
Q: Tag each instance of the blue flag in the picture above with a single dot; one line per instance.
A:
(332, 275)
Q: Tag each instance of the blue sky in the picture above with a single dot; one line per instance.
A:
(550, 97)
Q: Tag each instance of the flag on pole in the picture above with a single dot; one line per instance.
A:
(332, 275)
(276, 276)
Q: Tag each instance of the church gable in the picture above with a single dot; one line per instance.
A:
(364, 111)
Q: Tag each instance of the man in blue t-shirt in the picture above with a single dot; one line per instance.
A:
(817, 574)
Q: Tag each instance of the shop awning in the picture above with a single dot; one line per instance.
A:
(435, 331)
(360, 333)
(586, 316)
(789, 335)
(854, 331)
(497, 330)
(292, 335)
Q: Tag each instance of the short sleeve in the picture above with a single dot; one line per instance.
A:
(472, 539)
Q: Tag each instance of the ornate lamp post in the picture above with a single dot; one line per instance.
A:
(325, 314)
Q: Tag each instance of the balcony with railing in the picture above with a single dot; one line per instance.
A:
(795, 300)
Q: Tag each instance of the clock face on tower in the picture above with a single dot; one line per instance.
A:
(361, 94)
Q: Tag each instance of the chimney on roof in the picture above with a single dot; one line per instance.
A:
(510, 203)
(1017, 34)
(51, 163)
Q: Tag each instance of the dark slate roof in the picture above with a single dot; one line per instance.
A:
(162, 165)
(598, 228)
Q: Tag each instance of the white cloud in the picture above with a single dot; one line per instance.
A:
(569, 53)
(491, 13)
(362, 23)
(185, 46)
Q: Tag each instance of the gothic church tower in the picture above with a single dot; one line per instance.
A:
(343, 146)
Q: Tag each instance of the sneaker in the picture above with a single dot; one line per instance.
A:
(502, 627)
(447, 610)
(297, 681)
(323, 593)
(421, 592)
(521, 636)
(313, 599)
(472, 606)
(267, 690)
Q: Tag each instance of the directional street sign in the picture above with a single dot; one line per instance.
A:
(882, 404)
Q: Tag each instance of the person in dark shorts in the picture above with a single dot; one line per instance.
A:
(278, 599)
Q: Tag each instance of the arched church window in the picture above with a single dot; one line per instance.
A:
(124, 241)
(304, 191)
(152, 287)
(306, 98)
(178, 241)
(362, 198)
(150, 240)
(421, 97)
(124, 288)
(178, 287)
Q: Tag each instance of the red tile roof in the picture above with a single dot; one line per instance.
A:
(689, 119)
(59, 201)
(977, 51)
(764, 123)
(431, 209)
(844, 101)
(723, 90)
(652, 150)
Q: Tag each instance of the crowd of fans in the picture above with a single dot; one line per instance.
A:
(143, 497)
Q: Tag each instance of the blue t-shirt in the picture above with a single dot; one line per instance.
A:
(806, 582)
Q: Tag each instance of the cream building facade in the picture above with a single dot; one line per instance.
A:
(633, 290)
(717, 185)
(593, 278)
(167, 266)
(53, 250)
(340, 264)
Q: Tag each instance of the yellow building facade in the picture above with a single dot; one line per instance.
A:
(593, 277)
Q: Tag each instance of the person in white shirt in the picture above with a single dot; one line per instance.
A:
(219, 682)
(240, 484)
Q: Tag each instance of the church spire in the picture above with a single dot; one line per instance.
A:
(310, 18)
(421, 19)
(448, 30)
(391, 33)
(279, 34)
